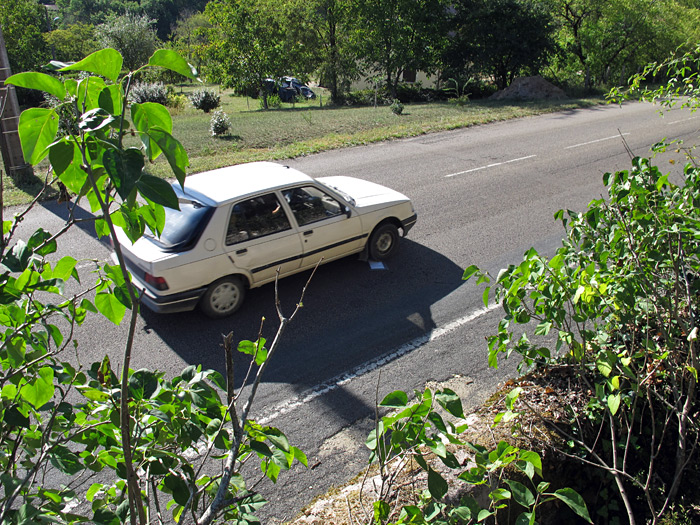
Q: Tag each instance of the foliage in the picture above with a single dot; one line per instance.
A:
(142, 92)
(94, 12)
(176, 102)
(396, 107)
(57, 414)
(250, 41)
(132, 35)
(73, 43)
(205, 99)
(499, 39)
(414, 431)
(395, 36)
(22, 23)
(620, 296)
(220, 123)
(273, 102)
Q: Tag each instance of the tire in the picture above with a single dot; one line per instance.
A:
(383, 242)
(223, 297)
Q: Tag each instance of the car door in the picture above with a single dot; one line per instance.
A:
(260, 238)
(327, 230)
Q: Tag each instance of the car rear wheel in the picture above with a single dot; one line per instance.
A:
(384, 242)
(223, 297)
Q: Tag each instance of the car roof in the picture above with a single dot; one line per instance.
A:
(226, 184)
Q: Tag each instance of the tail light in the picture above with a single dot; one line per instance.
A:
(159, 283)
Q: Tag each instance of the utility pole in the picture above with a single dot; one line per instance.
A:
(10, 146)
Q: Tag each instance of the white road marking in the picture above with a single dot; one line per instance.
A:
(489, 166)
(598, 140)
(369, 366)
(679, 121)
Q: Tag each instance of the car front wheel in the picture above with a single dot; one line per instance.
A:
(223, 297)
(383, 242)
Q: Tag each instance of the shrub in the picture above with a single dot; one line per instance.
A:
(396, 107)
(205, 99)
(220, 123)
(142, 92)
(273, 101)
(176, 102)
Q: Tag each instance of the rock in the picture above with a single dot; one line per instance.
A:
(530, 88)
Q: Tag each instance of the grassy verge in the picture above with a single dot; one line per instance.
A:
(304, 128)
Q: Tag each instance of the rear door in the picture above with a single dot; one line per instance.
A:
(260, 238)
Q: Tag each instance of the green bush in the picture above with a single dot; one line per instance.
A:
(396, 107)
(205, 99)
(148, 92)
(220, 123)
(176, 102)
(273, 102)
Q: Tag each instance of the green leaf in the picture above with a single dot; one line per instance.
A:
(110, 307)
(40, 390)
(436, 484)
(381, 511)
(37, 130)
(158, 191)
(396, 399)
(532, 459)
(174, 62)
(574, 501)
(173, 151)
(178, 488)
(469, 272)
(95, 119)
(15, 418)
(66, 161)
(40, 81)
(614, 403)
(65, 460)
(450, 401)
(105, 62)
(111, 99)
(124, 168)
(521, 493)
(149, 116)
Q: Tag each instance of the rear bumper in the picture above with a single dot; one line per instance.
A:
(168, 304)
(407, 224)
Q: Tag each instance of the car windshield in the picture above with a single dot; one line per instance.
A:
(182, 227)
(340, 192)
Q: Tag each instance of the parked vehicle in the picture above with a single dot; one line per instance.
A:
(237, 226)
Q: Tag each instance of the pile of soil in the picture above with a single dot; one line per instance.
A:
(530, 88)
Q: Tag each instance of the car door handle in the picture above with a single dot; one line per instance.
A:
(241, 252)
(308, 232)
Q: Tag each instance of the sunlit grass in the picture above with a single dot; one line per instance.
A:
(309, 127)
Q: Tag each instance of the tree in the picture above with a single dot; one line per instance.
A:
(603, 39)
(94, 12)
(331, 23)
(141, 426)
(189, 36)
(132, 35)
(397, 36)
(23, 23)
(73, 43)
(166, 13)
(252, 40)
(500, 38)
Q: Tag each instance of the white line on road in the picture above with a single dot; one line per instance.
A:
(489, 166)
(598, 140)
(369, 366)
(679, 121)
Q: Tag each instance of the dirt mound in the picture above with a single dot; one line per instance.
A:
(529, 88)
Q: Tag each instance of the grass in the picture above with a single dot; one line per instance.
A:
(304, 128)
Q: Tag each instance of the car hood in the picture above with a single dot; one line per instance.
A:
(363, 192)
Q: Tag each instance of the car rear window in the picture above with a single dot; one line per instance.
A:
(183, 228)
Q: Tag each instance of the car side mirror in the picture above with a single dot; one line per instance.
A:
(348, 211)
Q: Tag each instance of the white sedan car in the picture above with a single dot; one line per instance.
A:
(238, 225)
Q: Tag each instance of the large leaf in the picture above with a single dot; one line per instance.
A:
(40, 81)
(173, 151)
(110, 307)
(39, 390)
(450, 401)
(105, 62)
(151, 115)
(436, 484)
(124, 168)
(158, 191)
(89, 91)
(521, 493)
(174, 62)
(37, 130)
(396, 399)
(111, 100)
(66, 160)
(95, 119)
(574, 501)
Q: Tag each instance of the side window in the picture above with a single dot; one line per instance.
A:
(309, 204)
(255, 218)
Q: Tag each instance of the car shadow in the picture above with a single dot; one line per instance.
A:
(351, 314)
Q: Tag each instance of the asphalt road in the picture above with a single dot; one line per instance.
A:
(483, 195)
